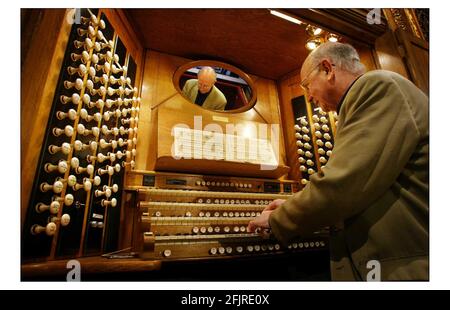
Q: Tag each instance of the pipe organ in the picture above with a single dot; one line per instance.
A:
(187, 189)
(90, 141)
(87, 164)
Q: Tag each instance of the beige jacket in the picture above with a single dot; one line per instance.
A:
(215, 101)
(375, 183)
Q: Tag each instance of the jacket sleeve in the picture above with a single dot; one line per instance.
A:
(375, 138)
(187, 89)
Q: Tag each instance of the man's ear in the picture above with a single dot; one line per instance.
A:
(327, 66)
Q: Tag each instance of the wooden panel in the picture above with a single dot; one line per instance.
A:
(365, 54)
(157, 87)
(265, 97)
(162, 107)
(416, 56)
(29, 22)
(289, 88)
(127, 219)
(90, 266)
(39, 76)
(268, 107)
(388, 56)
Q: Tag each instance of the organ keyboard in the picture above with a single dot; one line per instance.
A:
(178, 222)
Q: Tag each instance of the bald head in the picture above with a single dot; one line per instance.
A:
(343, 56)
(207, 71)
(328, 72)
(206, 79)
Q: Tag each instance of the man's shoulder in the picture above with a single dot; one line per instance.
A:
(369, 87)
(191, 82)
(378, 76)
(189, 87)
(381, 80)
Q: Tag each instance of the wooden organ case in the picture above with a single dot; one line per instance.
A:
(93, 191)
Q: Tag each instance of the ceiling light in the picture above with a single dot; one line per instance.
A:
(286, 17)
(313, 42)
(313, 31)
(332, 37)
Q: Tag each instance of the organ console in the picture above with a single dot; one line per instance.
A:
(122, 161)
(197, 216)
(204, 222)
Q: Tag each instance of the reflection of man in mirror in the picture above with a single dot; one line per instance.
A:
(202, 91)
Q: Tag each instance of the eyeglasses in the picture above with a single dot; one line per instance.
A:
(304, 84)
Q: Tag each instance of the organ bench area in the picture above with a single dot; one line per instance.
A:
(117, 170)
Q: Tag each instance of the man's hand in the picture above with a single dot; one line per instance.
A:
(274, 204)
(262, 221)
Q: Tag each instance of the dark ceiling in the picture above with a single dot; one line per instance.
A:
(251, 39)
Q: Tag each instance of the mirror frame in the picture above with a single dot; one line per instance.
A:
(212, 63)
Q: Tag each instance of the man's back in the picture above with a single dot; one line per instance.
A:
(375, 184)
(394, 179)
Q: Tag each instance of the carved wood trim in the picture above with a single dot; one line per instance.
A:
(351, 23)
